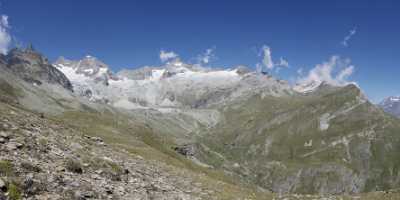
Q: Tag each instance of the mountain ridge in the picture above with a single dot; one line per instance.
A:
(171, 84)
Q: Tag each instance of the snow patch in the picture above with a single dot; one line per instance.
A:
(324, 121)
(308, 143)
(395, 99)
(306, 88)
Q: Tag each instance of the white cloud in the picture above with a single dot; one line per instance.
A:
(268, 62)
(346, 39)
(207, 56)
(167, 55)
(282, 62)
(267, 57)
(5, 38)
(345, 73)
(334, 72)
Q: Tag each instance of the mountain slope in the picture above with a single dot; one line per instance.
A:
(330, 141)
(325, 141)
(89, 151)
(51, 159)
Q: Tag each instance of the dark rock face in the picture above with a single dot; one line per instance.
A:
(34, 68)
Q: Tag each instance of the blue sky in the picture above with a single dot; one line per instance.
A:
(131, 34)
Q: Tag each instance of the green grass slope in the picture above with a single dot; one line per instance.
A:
(332, 141)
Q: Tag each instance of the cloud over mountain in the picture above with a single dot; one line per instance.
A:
(5, 38)
(335, 72)
(167, 55)
(267, 61)
(207, 56)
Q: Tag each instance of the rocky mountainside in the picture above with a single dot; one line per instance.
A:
(183, 131)
(391, 105)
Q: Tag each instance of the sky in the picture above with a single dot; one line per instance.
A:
(339, 41)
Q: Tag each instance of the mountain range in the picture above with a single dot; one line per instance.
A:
(391, 105)
(234, 133)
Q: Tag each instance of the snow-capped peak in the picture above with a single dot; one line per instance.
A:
(85, 75)
(391, 105)
(389, 101)
(176, 84)
(88, 66)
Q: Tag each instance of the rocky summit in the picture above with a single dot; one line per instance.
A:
(77, 130)
(32, 67)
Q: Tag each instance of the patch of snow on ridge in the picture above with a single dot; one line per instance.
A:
(395, 99)
(324, 121)
(307, 88)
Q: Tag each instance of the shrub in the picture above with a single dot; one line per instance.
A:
(14, 192)
(6, 168)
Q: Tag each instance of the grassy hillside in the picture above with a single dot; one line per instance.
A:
(327, 142)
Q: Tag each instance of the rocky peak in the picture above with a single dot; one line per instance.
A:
(33, 67)
(89, 67)
(27, 55)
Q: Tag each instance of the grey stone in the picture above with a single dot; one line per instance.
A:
(2, 184)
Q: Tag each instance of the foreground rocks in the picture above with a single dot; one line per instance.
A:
(41, 159)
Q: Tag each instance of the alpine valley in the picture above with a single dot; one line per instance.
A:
(73, 129)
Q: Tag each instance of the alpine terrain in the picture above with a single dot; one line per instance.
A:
(74, 129)
(391, 105)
